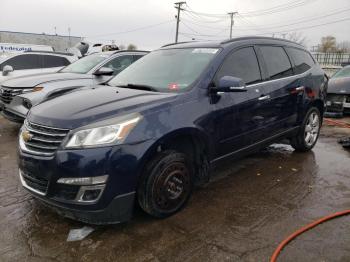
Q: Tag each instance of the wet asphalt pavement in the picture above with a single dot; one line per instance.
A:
(242, 215)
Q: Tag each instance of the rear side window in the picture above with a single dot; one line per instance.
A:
(276, 61)
(302, 60)
(21, 62)
(243, 64)
(54, 61)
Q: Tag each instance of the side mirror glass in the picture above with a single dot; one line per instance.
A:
(230, 84)
(6, 70)
(104, 71)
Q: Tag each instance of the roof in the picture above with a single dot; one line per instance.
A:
(48, 52)
(224, 42)
(118, 52)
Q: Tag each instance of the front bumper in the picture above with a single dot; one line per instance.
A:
(12, 116)
(116, 203)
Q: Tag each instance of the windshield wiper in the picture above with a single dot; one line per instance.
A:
(139, 87)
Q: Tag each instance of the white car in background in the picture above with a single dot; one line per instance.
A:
(32, 62)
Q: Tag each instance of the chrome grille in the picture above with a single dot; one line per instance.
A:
(336, 98)
(41, 140)
(7, 94)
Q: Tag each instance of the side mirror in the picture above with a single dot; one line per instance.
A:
(6, 70)
(104, 71)
(230, 84)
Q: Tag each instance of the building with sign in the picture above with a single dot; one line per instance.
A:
(59, 42)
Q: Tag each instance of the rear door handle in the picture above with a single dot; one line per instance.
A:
(262, 98)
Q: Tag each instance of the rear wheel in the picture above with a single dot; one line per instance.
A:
(308, 134)
(166, 185)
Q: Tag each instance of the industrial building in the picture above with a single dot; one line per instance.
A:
(58, 42)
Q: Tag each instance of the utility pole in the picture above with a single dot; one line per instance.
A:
(178, 7)
(232, 21)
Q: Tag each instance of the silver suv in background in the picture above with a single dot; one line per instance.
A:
(32, 62)
(18, 95)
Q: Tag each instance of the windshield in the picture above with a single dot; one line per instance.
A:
(166, 70)
(85, 64)
(345, 72)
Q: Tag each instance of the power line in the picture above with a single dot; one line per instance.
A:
(278, 9)
(132, 30)
(301, 21)
(200, 19)
(307, 27)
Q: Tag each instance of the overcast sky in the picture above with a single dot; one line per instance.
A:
(153, 21)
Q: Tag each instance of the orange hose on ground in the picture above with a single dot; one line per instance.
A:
(302, 230)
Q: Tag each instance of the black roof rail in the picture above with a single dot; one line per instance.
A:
(257, 37)
(185, 42)
(49, 52)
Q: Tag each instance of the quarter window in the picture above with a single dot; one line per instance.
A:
(21, 62)
(302, 60)
(243, 64)
(54, 61)
(277, 62)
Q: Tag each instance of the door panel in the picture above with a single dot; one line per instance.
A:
(240, 116)
(281, 109)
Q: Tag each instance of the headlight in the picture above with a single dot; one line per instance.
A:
(35, 89)
(103, 135)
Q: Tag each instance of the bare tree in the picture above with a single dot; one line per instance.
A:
(297, 37)
(328, 44)
(132, 47)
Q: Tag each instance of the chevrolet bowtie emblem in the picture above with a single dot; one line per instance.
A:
(26, 136)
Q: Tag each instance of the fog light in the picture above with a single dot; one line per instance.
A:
(27, 104)
(90, 195)
(83, 181)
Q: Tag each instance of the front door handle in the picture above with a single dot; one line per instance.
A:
(262, 98)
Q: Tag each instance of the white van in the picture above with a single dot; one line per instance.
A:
(18, 48)
(32, 62)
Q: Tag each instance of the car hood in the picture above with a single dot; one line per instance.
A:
(339, 85)
(89, 105)
(30, 81)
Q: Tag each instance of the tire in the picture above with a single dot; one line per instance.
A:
(309, 132)
(166, 184)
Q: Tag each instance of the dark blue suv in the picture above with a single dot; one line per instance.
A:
(155, 130)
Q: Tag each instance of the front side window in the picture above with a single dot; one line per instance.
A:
(277, 62)
(54, 61)
(345, 72)
(167, 69)
(85, 64)
(243, 64)
(22, 62)
(119, 63)
(303, 61)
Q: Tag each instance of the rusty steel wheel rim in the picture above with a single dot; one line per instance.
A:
(172, 187)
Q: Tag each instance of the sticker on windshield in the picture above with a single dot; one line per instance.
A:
(205, 50)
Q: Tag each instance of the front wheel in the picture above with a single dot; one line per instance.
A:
(309, 132)
(166, 184)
